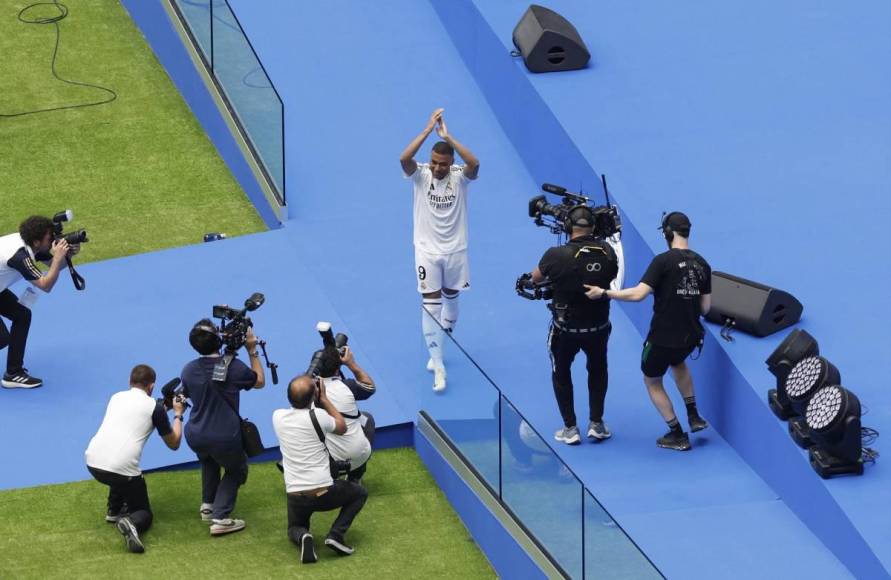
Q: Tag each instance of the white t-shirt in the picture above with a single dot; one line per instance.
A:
(303, 456)
(440, 210)
(16, 261)
(352, 445)
(129, 419)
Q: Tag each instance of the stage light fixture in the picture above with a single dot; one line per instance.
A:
(797, 345)
(833, 417)
(807, 377)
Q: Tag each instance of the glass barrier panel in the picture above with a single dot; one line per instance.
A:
(609, 552)
(541, 491)
(467, 410)
(197, 16)
(249, 91)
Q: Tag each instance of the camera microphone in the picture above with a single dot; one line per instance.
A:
(551, 188)
(254, 302)
(170, 387)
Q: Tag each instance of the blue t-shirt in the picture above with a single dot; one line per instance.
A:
(214, 425)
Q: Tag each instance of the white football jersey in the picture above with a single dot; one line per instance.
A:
(440, 210)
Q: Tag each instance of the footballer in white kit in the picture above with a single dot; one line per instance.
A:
(440, 233)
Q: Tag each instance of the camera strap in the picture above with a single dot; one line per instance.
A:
(317, 427)
(77, 279)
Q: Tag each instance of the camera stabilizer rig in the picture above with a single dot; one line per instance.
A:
(75, 237)
(555, 217)
(234, 325)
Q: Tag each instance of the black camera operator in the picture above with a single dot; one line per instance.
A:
(214, 427)
(18, 252)
(578, 323)
(354, 446)
(113, 454)
(306, 464)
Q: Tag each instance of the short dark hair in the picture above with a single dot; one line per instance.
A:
(330, 363)
(443, 148)
(142, 375)
(300, 398)
(203, 340)
(35, 228)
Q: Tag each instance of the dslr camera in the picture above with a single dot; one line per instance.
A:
(234, 324)
(325, 362)
(73, 238)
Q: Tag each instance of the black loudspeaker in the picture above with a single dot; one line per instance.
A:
(548, 42)
(751, 307)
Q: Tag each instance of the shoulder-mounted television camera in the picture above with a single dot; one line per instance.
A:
(234, 324)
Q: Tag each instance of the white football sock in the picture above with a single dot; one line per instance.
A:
(433, 335)
(449, 311)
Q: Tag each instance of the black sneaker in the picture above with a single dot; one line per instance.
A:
(338, 546)
(697, 423)
(131, 536)
(307, 549)
(676, 441)
(20, 380)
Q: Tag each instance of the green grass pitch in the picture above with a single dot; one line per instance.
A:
(139, 172)
(406, 530)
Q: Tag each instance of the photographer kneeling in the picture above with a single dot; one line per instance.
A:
(214, 428)
(114, 452)
(307, 467)
(354, 446)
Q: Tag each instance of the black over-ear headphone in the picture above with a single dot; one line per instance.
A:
(666, 229)
(569, 222)
(218, 341)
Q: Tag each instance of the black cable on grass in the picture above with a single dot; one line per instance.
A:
(54, 20)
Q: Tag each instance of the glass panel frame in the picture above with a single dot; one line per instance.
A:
(533, 482)
(243, 82)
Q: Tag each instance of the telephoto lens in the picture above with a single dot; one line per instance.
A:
(76, 237)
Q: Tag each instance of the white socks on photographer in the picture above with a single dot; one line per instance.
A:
(433, 335)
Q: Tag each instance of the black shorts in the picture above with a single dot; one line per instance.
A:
(655, 359)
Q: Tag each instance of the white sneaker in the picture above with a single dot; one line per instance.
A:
(225, 526)
(206, 511)
(430, 366)
(568, 435)
(439, 379)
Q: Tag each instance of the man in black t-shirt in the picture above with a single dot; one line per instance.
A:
(680, 280)
(214, 427)
(579, 323)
